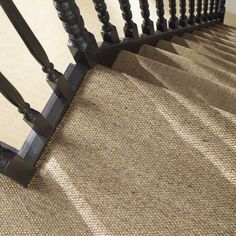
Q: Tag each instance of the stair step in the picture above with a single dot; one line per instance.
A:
(209, 43)
(179, 62)
(179, 81)
(215, 39)
(204, 49)
(196, 57)
(221, 34)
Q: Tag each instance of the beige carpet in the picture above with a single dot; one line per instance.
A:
(146, 148)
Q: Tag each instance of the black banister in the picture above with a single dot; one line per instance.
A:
(217, 9)
(174, 21)
(161, 22)
(211, 10)
(55, 79)
(130, 28)
(147, 26)
(109, 31)
(205, 10)
(199, 16)
(82, 43)
(222, 10)
(192, 17)
(31, 116)
(183, 20)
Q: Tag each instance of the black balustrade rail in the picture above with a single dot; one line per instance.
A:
(19, 164)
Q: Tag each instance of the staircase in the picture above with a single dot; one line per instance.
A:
(138, 137)
(147, 147)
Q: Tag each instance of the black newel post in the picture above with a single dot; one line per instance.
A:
(32, 117)
(55, 79)
(130, 28)
(211, 11)
(109, 32)
(82, 43)
(205, 11)
(161, 22)
(174, 21)
(217, 9)
(192, 17)
(199, 16)
(147, 26)
(222, 10)
(183, 20)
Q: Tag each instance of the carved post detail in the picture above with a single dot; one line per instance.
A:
(82, 44)
(211, 14)
(55, 79)
(147, 26)
(130, 28)
(217, 9)
(222, 10)
(109, 31)
(192, 17)
(205, 11)
(174, 21)
(183, 21)
(199, 16)
(161, 22)
(32, 117)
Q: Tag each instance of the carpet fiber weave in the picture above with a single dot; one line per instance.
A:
(146, 148)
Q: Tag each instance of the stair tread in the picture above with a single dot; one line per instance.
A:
(139, 151)
(221, 34)
(179, 62)
(208, 42)
(215, 39)
(204, 49)
(177, 80)
(196, 57)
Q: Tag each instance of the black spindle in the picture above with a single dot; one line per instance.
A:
(82, 43)
(109, 31)
(199, 16)
(183, 20)
(211, 10)
(205, 11)
(147, 26)
(217, 9)
(161, 22)
(32, 117)
(130, 28)
(174, 21)
(192, 17)
(222, 10)
(55, 79)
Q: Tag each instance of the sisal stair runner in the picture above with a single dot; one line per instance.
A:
(147, 147)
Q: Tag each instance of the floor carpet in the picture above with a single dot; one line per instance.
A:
(147, 147)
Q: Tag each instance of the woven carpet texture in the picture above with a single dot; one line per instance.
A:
(147, 147)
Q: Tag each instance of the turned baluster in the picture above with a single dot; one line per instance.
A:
(109, 31)
(147, 26)
(211, 14)
(217, 9)
(174, 21)
(161, 22)
(55, 79)
(183, 20)
(82, 43)
(130, 28)
(192, 17)
(222, 10)
(205, 11)
(32, 117)
(199, 16)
